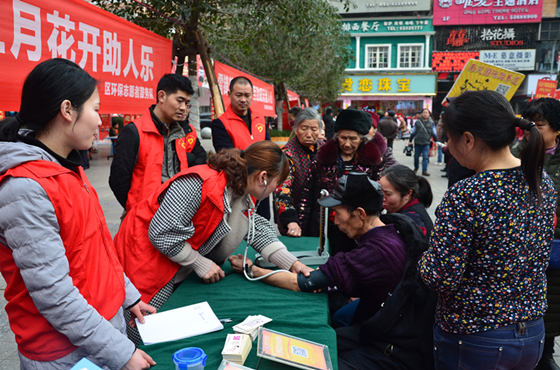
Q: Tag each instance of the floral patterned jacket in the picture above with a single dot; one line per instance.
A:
(294, 198)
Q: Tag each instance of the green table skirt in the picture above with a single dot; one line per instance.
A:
(304, 315)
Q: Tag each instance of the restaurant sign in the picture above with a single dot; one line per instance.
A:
(371, 27)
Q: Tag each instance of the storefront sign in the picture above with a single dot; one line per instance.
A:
(387, 26)
(516, 60)
(388, 84)
(380, 6)
(452, 12)
(451, 61)
(486, 37)
(127, 60)
(482, 76)
(263, 93)
(546, 89)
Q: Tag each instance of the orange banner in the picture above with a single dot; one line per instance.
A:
(263, 93)
(546, 89)
(127, 60)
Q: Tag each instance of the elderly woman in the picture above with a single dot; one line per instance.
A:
(294, 199)
(350, 150)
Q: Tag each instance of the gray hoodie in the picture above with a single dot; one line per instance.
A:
(29, 227)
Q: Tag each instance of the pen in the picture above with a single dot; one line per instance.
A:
(223, 321)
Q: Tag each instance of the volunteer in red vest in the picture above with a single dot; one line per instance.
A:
(240, 126)
(156, 146)
(66, 289)
(197, 219)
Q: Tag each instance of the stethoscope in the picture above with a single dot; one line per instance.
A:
(251, 237)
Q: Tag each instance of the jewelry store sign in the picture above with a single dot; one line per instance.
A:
(515, 60)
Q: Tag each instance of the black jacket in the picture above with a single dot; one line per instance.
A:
(399, 335)
(329, 126)
(125, 157)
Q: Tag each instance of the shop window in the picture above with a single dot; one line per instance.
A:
(378, 56)
(411, 55)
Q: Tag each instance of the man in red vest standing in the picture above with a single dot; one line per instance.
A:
(156, 146)
(240, 126)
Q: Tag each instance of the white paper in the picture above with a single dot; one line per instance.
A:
(179, 323)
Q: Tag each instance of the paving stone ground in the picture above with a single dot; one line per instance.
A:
(98, 174)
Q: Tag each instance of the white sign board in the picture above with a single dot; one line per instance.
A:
(381, 6)
(515, 60)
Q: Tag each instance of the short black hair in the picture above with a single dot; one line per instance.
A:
(328, 111)
(172, 82)
(544, 108)
(240, 79)
(352, 209)
(391, 113)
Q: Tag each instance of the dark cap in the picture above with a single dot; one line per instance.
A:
(355, 120)
(356, 190)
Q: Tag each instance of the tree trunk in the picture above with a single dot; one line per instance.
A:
(219, 108)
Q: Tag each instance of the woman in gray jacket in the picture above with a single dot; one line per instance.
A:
(66, 290)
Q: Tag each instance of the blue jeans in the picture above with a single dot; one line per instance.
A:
(439, 154)
(513, 347)
(424, 151)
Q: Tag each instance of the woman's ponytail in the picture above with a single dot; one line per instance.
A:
(231, 161)
(532, 157)
(9, 128)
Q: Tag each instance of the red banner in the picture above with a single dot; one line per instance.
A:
(490, 12)
(451, 61)
(263, 93)
(127, 60)
(546, 89)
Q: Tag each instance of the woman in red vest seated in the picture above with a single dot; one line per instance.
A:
(66, 289)
(194, 221)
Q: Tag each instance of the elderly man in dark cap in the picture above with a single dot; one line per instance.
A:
(351, 149)
(382, 266)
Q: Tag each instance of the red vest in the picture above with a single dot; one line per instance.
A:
(148, 268)
(146, 176)
(238, 131)
(94, 268)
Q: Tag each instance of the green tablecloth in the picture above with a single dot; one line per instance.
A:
(304, 315)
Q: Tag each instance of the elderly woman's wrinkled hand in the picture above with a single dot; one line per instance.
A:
(237, 263)
(294, 229)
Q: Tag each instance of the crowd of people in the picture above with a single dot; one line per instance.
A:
(470, 289)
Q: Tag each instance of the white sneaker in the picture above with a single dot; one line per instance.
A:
(439, 163)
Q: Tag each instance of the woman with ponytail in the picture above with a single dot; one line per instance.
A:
(66, 290)
(491, 241)
(545, 112)
(406, 193)
(194, 221)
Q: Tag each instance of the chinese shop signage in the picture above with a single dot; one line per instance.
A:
(387, 84)
(453, 12)
(387, 26)
(451, 61)
(380, 6)
(477, 75)
(516, 60)
(486, 37)
(127, 60)
(546, 89)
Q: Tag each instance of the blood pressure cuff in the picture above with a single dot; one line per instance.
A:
(316, 280)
